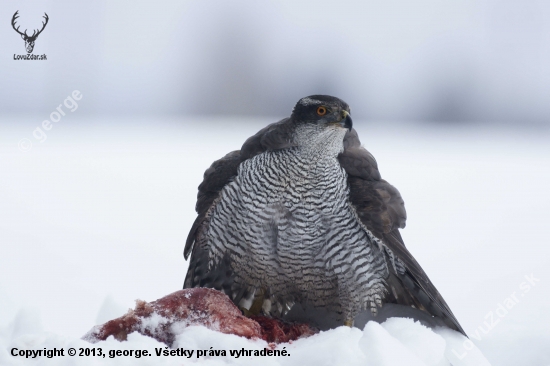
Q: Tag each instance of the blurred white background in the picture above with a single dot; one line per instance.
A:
(423, 60)
(451, 97)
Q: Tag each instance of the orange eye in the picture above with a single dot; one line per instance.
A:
(321, 111)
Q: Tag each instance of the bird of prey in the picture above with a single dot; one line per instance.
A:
(298, 224)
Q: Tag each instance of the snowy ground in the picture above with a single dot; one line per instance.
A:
(96, 216)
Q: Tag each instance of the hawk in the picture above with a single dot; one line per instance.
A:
(298, 224)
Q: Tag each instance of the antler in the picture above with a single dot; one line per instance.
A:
(34, 33)
(15, 16)
(43, 25)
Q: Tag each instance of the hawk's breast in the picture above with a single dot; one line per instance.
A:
(288, 227)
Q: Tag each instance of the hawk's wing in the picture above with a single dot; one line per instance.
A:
(381, 209)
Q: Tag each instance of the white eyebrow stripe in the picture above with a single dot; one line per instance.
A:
(309, 101)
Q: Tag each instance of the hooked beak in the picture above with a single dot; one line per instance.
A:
(346, 120)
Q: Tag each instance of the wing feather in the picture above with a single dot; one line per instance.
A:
(381, 209)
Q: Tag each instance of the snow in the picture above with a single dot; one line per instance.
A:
(398, 341)
(96, 216)
(424, 344)
(383, 349)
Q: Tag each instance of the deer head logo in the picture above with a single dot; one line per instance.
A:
(29, 40)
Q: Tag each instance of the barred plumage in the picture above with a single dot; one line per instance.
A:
(300, 219)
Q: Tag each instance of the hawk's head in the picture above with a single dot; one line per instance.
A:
(322, 111)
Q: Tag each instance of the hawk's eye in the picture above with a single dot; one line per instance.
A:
(321, 111)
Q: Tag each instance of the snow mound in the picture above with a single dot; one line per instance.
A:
(396, 342)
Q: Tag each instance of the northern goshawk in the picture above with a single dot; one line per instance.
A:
(298, 224)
